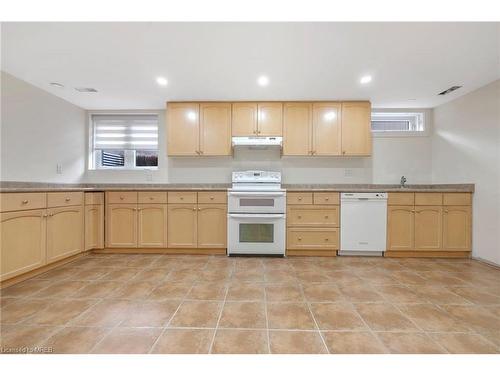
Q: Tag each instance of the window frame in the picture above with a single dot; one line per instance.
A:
(426, 118)
(129, 154)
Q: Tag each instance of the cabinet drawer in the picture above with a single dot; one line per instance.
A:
(152, 197)
(428, 199)
(182, 197)
(94, 198)
(309, 238)
(313, 216)
(299, 198)
(457, 199)
(22, 201)
(64, 199)
(401, 199)
(219, 197)
(121, 197)
(326, 198)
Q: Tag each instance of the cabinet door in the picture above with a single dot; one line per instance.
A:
(297, 124)
(152, 225)
(212, 223)
(356, 128)
(400, 228)
(94, 227)
(183, 124)
(270, 119)
(182, 226)
(65, 232)
(457, 228)
(121, 225)
(244, 119)
(428, 227)
(326, 130)
(215, 129)
(22, 242)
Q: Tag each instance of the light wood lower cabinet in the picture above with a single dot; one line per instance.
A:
(94, 226)
(23, 242)
(428, 227)
(400, 228)
(183, 222)
(65, 235)
(457, 227)
(313, 238)
(212, 226)
(121, 225)
(152, 225)
(312, 223)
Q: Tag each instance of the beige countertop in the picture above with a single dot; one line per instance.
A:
(11, 186)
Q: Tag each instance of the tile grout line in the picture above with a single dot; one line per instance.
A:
(267, 319)
(314, 318)
(220, 316)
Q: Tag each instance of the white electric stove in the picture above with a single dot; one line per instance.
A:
(256, 220)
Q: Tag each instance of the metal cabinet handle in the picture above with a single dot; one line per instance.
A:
(299, 216)
(67, 199)
(211, 198)
(151, 198)
(326, 239)
(300, 238)
(181, 198)
(25, 201)
(326, 216)
(299, 198)
(446, 211)
(326, 199)
(194, 208)
(45, 215)
(122, 198)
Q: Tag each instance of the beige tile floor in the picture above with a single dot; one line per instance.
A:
(213, 304)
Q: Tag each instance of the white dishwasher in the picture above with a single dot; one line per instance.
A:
(363, 223)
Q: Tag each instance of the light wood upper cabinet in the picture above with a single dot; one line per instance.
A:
(182, 226)
(270, 119)
(326, 129)
(215, 129)
(457, 228)
(428, 227)
(23, 242)
(121, 225)
(94, 226)
(244, 119)
(152, 225)
(183, 124)
(297, 126)
(356, 128)
(212, 219)
(400, 228)
(65, 232)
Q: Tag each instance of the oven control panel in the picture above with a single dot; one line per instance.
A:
(257, 176)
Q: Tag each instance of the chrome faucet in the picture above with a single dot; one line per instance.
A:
(403, 181)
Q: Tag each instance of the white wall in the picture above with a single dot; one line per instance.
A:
(392, 157)
(39, 131)
(466, 148)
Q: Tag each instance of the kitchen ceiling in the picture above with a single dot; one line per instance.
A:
(410, 63)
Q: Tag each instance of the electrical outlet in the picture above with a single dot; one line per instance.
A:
(58, 168)
(149, 176)
(348, 172)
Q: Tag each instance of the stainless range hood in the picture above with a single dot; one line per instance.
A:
(257, 142)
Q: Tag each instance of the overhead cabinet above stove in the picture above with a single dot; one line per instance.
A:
(307, 128)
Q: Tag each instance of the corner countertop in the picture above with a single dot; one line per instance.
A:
(16, 186)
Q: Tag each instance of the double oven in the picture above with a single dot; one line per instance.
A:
(256, 214)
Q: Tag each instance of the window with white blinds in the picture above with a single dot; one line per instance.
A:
(398, 122)
(125, 141)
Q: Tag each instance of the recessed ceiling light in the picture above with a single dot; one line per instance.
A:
(162, 81)
(263, 80)
(365, 79)
(57, 84)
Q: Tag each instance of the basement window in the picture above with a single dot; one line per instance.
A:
(124, 142)
(398, 123)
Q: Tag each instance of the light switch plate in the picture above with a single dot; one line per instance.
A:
(58, 168)
(348, 172)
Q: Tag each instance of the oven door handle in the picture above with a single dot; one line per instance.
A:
(256, 194)
(257, 216)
